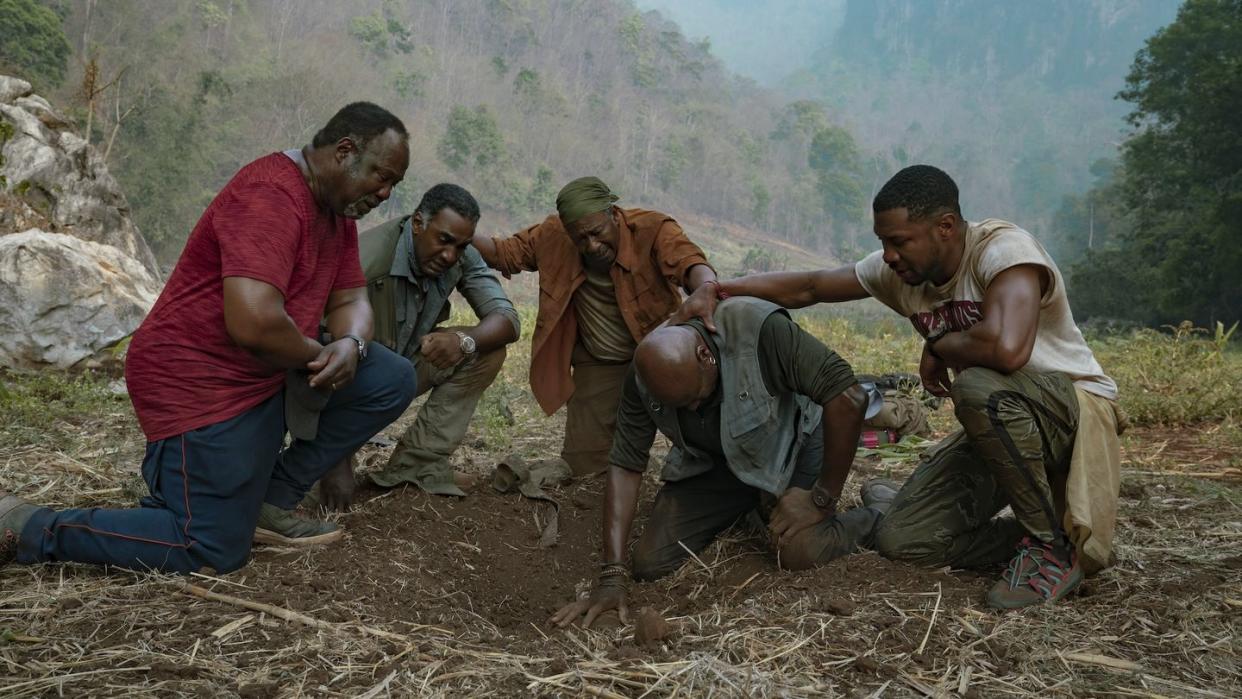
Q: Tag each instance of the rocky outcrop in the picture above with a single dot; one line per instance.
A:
(76, 276)
(67, 302)
(51, 177)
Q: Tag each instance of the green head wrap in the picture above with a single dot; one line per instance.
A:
(582, 197)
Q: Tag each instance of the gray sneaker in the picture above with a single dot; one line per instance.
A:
(14, 513)
(879, 493)
(282, 527)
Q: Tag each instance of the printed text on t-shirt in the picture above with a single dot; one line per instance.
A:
(959, 315)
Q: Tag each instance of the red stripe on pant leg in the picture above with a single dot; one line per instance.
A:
(100, 532)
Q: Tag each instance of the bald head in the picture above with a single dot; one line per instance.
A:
(676, 366)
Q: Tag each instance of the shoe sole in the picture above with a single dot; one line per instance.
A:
(267, 536)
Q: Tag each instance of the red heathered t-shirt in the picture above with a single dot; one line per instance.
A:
(182, 369)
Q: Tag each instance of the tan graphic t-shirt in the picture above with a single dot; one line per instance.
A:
(601, 327)
(992, 246)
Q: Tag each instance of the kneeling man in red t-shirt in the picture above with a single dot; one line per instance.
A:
(273, 256)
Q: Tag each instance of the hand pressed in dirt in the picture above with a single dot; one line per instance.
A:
(602, 599)
(336, 488)
(794, 512)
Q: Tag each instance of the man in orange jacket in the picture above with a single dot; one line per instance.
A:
(607, 277)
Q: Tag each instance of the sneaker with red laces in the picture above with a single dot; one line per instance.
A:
(1041, 572)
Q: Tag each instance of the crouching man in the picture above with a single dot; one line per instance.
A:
(412, 264)
(760, 407)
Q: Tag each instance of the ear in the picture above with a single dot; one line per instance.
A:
(704, 355)
(946, 224)
(417, 222)
(345, 148)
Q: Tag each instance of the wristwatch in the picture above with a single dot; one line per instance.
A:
(823, 499)
(934, 337)
(468, 345)
(362, 345)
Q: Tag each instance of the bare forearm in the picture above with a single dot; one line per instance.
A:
(486, 245)
(492, 333)
(699, 275)
(353, 318)
(279, 343)
(983, 345)
(620, 502)
(788, 289)
(842, 423)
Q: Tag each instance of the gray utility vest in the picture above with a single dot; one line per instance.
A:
(761, 434)
(377, 248)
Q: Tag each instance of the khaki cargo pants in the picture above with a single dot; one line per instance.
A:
(1016, 430)
(591, 414)
(421, 456)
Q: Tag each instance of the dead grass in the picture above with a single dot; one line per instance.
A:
(1165, 622)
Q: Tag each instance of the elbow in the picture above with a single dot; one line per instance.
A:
(1007, 360)
(850, 404)
(247, 331)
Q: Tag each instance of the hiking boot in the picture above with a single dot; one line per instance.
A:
(879, 493)
(14, 513)
(282, 527)
(1041, 572)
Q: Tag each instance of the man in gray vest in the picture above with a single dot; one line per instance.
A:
(756, 411)
(412, 264)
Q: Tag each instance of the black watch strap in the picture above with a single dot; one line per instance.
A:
(823, 499)
(362, 345)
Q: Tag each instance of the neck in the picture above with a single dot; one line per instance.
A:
(953, 256)
(311, 173)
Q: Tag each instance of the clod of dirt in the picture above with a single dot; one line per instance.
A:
(865, 664)
(838, 605)
(650, 628)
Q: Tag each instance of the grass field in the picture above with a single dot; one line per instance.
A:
(437, 597)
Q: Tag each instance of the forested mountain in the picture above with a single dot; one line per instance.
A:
(509, 97)
(1015, 99)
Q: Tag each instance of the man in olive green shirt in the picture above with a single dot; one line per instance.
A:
(759, 412)
(412, 264)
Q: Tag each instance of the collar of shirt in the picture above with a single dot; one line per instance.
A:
(626, 257)
(405, 261)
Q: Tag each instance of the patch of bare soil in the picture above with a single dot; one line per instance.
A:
(435, 596)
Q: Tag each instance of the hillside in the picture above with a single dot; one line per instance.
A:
(1016, 100)
(510, 99)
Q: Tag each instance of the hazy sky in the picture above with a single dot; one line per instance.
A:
(762, 40)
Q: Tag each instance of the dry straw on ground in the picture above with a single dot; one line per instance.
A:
(434, 597)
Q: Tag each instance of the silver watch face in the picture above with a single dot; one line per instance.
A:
(467, 344)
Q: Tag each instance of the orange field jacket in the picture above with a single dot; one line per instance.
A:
(653, 258)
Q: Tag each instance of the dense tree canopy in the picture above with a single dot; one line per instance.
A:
(32, 42)
(1179, 253)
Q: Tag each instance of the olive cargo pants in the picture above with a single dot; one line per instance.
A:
(1016, 429)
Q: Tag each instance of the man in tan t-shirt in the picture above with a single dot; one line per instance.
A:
(1038, 414)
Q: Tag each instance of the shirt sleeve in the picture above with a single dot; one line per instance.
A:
(1010, 248)
(517, 252)
(880, 281)
(794, 361)
(349, 275)
(676, 253)
(631, 443)
(483, 291)
(259, 233)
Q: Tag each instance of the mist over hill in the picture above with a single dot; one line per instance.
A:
(1015, 100)
(511, 99)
